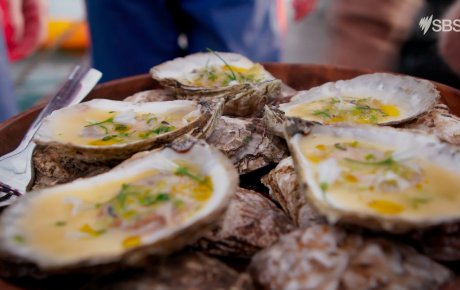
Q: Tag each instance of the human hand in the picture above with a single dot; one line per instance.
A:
(26, 27)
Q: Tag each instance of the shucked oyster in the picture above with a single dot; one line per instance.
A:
(323, 257)
(153, 203)
(245, 85)
(379, 98)
(103, 130)
(377, 177)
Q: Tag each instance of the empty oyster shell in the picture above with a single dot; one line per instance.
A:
(104, 130)
(378, 98)
(246, 86)
(251, 223)
(377, 177)
(284, 189)
(180, 271)
(153, 203)
(247, 143)
(323, 257)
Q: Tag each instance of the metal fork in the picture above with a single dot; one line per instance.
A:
(16, 169)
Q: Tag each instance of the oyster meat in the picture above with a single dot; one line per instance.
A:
(104, 130)
(246, 86)
(180, 271)
(247, 143)
(379, 98)
(284, 189)
(154, 203)
(251, 223)
(377, 177)
(322, 257)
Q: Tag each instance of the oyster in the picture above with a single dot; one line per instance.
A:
(180, 271)
(154, 203)
(247, 143)
(378, 98)
(104, 130)
(284, 189)
(246, 86)
(377, 177)
(323, 257)
(251, 223)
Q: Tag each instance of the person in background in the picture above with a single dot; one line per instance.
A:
(129, 37)
(22, 28)
(449, 43)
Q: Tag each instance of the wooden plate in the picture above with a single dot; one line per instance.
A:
(298, 76)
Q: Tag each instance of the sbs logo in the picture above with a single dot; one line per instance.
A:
(438, 25)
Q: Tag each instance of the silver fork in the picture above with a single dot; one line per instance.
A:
(16, 170)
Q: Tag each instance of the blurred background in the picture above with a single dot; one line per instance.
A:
(380, 35)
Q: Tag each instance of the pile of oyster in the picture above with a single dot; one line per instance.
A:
(228, 179)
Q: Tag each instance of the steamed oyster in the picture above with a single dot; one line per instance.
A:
(246, 86)
(378, 98)
(377, 177)
(284, 189)
(153, 203)
(185, 271)
(323, 257)
(247, 142)
(251, 223)
(104, 130)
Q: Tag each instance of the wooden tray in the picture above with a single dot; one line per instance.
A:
(298, 76)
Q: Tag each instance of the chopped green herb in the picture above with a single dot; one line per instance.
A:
(157, 131)
(109, 120)
(384, 162)
(418, 201)
(340, 146)
(233, 76)
(369, 157)
(121, 127)
(354, 144)
(183, 171)
(148, 200)
(60, 223)
(19, 239)
(324, 114)
(324, 186)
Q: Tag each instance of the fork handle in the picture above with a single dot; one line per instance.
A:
(72, 92)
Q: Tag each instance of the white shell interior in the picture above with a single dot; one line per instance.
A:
(11, 223)
(412, 96)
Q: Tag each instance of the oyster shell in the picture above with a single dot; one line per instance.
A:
(107, 131)
(284, 189)
(180, 271)
(247, 143)
(379, 98)
(251, 223)
(323, 257)
(377, 177)
(154, 203)
(160, 95)
(246, 86)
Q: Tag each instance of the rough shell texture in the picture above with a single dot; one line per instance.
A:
(160, 95)
(244, 99)
(439, 122)
(181, 271)
(283, 186)
(428, 147)
(247, 143)
(14, 263)
(323, 257)
(274, 120)
(200, 128)
(251, 223)
(412, 95)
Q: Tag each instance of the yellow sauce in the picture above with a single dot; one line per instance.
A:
(432, 191)
(224, 75)
(67, 232)
(347, 109)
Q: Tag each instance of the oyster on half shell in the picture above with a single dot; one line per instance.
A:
(154, 203)
(377, 177)
(105, 130)
(379, 98)
(246, 86)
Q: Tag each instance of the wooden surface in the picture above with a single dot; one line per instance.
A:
(298, 76)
